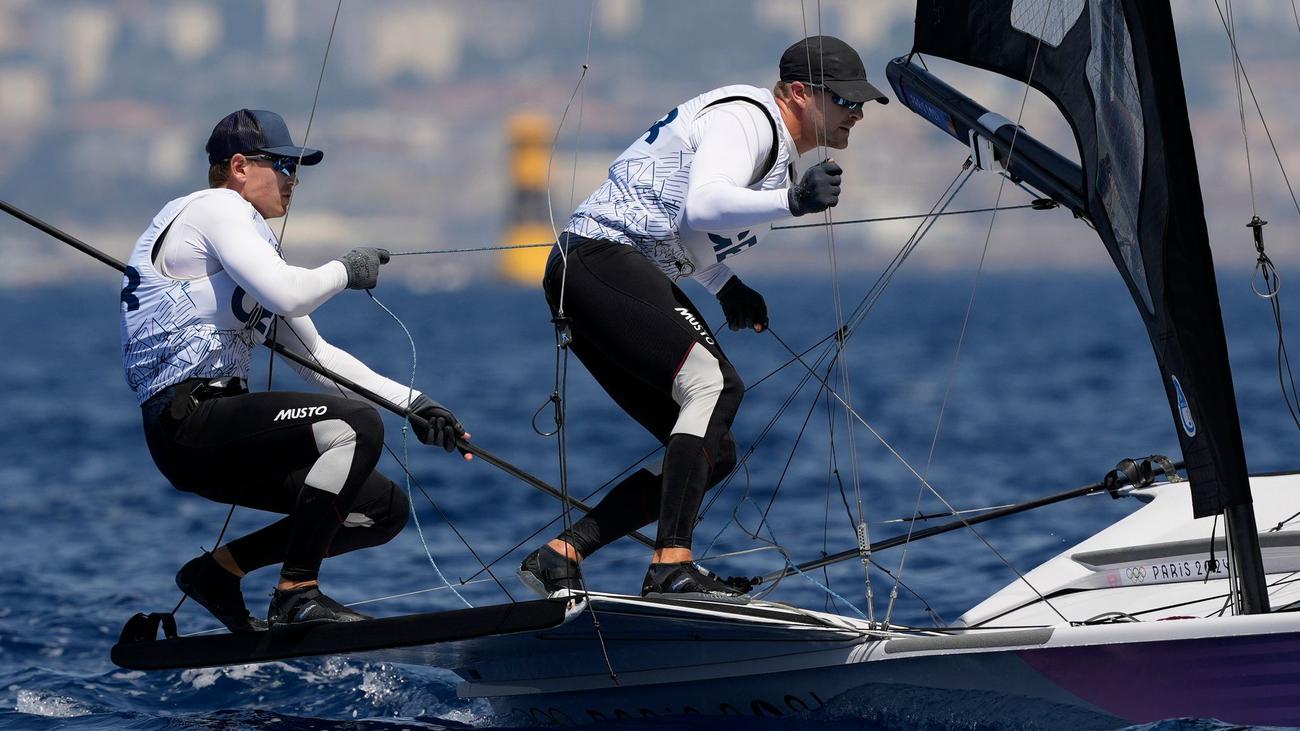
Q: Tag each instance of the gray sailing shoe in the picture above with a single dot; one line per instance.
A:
(688, 581)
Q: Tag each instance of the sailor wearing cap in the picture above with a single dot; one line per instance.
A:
(688, 194)
(203, 283)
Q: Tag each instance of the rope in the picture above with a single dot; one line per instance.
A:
(406, 455)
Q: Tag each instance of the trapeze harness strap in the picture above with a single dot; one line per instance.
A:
(776, 135)
(642, 202)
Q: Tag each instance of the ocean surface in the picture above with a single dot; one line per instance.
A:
(1055, 383)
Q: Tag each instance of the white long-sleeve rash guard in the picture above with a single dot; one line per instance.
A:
(220, 232)
(734, 141)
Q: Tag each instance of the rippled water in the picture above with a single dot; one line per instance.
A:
(1055, 383)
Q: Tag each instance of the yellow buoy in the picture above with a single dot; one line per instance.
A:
(528, 221)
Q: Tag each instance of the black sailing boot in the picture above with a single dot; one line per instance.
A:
(217, 590)
(688, 581)
(548, 573)
(308, 606)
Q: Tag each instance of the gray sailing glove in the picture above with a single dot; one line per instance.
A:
(363, 264)
(744, 308)
(819, 189)
(440, 428)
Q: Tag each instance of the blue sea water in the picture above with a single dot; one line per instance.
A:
(1054, 384)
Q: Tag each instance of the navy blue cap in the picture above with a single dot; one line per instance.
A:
(253, 131)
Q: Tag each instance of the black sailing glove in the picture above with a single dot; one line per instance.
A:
(819, 189)
(441, 428)
(363, 264)
(743, 306)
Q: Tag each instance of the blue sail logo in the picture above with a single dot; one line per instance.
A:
(1184, 410)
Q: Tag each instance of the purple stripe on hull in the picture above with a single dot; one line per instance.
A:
(1250, 679)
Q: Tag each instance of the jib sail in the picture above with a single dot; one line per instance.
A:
(1112, 68)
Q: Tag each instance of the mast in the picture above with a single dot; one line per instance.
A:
(1112, 68)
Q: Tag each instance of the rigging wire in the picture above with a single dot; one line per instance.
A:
(881, 219)
(562, 334)
(1265, 281)
(315, 101)
(762, 435)
(970, 307)
(1037, 205)
(743, 461)
(764, 514)
(1241, 104)
(526, 540)
(927, 485)
(918, 234)
(1258, 109)
(877, 290)
(841, 359)
(469, 249)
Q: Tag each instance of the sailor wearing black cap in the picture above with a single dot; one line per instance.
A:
(203, 283)
(688, 194)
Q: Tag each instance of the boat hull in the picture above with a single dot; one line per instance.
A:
(774, 661)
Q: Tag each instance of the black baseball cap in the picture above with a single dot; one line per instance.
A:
(828, 61)
(253, 131)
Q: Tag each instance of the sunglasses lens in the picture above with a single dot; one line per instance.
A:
(286, 165)
(841, 101)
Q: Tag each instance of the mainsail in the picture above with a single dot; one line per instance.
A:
(1112, 68)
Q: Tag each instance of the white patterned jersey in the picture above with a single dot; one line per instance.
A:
(691, 191)
(195, 309)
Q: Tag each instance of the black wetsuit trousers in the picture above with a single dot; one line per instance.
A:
(309, 456)
(651, 350)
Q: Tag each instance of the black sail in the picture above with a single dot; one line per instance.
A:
(1112, 68)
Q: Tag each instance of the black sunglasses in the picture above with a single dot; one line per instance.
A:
(839, 100)
(286, 166)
